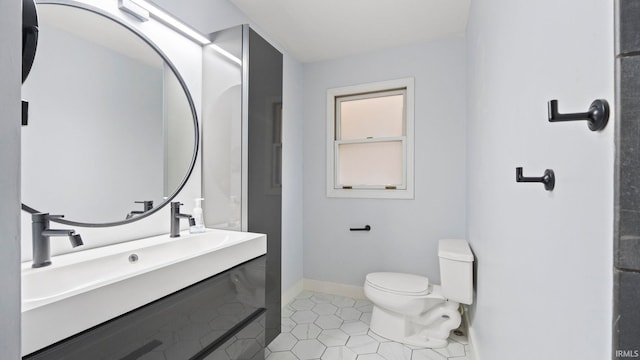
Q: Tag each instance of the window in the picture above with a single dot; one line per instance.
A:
(370, 140)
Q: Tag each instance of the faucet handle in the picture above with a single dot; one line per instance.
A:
(148, 204)
(42, 217)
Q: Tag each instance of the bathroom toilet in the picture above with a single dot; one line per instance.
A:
(409, 309)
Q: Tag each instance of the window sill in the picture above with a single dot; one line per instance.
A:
(370, 194)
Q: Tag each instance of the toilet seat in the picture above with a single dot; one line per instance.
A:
(399, 283)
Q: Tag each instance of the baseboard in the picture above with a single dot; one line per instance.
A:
(473, 354)
(289, 294)
(352, 291)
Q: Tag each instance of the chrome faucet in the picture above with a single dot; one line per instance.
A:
(175, 219)
(41, 234)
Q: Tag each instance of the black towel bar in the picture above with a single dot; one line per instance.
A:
(365, 228)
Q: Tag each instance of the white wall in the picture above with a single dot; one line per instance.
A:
(544, 258)
(404, 233)
(10, 70)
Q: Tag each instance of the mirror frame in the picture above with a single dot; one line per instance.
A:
(196, 127)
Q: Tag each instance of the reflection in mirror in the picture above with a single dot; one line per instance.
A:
(110, 123)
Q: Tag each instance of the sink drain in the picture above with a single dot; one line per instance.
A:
(133, 258)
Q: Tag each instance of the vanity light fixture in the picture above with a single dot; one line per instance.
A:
(226, 54)
(143, 10)
(157, 13)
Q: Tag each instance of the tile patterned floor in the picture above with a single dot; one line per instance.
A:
(330, 327)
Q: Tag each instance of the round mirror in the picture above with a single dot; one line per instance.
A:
(112, 133)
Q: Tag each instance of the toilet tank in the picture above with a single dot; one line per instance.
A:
(456, 270)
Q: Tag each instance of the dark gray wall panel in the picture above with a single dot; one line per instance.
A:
(627, 235)
(264, 186)
(627, 15)
(627, 321)
(626, 294)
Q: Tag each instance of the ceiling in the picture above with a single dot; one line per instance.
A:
(315, 30)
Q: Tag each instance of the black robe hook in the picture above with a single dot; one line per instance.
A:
(597, 116)
(548, 179)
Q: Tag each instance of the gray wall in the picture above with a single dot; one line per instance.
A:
(10, 70)
(292, 166)
(404, 233)
(544, 258)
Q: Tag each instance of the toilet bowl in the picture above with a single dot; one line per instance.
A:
(410, 310)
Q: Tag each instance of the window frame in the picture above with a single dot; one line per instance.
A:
(406, 190)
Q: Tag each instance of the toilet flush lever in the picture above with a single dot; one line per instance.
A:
(548, 179)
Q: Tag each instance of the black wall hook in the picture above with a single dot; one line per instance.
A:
(548, 179)
(597, 116)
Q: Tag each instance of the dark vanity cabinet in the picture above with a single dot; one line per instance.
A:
(220, 318)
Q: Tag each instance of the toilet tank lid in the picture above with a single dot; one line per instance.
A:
(455, 249)
(400, 283)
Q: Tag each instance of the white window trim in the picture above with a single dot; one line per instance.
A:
(408, 141)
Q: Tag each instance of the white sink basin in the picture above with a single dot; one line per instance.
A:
(83, 289)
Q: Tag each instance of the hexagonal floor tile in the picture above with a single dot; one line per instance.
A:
(394, 351)
(339, 353)
(340, 301)
(370, 357)
(320, 298)
(426, 354)
(287, 325)
(363, 344)
(365, 308)
(330, 327)
(333, 337)
(308, 349)
(304, 317)
(302, 304)
(349, 313)
(306, 331)
(287, 311)
(355, 327)
(366, 318)
(377, 337)
(325, 309)
(328, 321)
(284, 341)
(454, 349)
(284, 355)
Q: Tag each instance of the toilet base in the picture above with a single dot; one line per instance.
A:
(429, 330)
